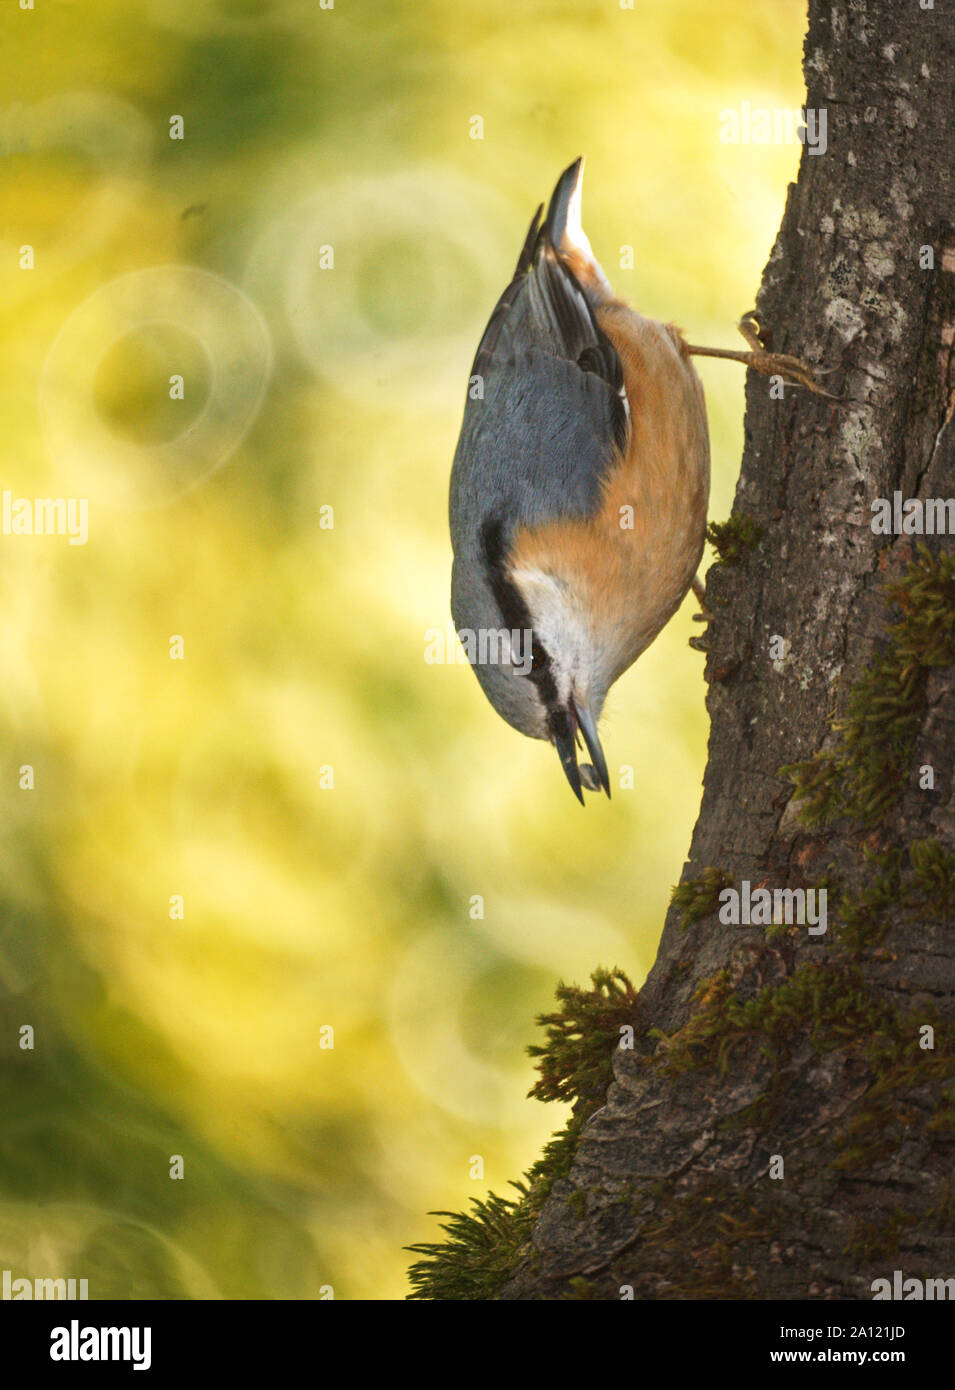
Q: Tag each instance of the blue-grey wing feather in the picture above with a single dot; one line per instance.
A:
(536, 443)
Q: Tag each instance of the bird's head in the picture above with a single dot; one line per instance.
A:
(538, 658)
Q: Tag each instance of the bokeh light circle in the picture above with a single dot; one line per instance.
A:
(95, 127)
(417, 257)
(427, 1025)
(78, 1240)
(93, 457)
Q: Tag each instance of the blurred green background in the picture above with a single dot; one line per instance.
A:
(324, 801)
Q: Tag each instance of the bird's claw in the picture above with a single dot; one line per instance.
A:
(793, 370)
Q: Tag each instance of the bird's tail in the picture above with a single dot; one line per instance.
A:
(564, 231)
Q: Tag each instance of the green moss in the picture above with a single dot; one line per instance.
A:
(485, 1244)
(577, 1201)
(862, 919)
(863, 775)
(481, 1248)
(576, 1061)
(582, 1290)
(829, 1003)
(877, 1241)
(933, 876)
(711, 1219)
(700, 897)
(762, 1113)
(830, 1006)
(867, 1140)
(919, 880)
(733, 540)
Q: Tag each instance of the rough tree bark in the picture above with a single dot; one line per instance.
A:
(750, 1043)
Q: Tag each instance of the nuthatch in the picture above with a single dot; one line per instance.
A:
(579, 488)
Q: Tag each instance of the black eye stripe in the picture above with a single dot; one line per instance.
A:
(514, 610)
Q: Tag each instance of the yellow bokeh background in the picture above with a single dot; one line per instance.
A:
(325, 802)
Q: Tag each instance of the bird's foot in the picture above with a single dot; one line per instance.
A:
(793, 370)
(699, 593)
(698, 643)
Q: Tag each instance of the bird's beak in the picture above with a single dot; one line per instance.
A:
(589, 730)
(567, 752)
(564, 742)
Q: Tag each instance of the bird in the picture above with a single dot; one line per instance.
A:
(579, 487)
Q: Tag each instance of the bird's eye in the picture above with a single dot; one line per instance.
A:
(538, 659)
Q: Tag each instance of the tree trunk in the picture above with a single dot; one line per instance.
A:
(781, 1122)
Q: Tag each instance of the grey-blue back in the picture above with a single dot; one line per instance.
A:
(534, 448)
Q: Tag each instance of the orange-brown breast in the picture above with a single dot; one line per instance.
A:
(630, 565)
